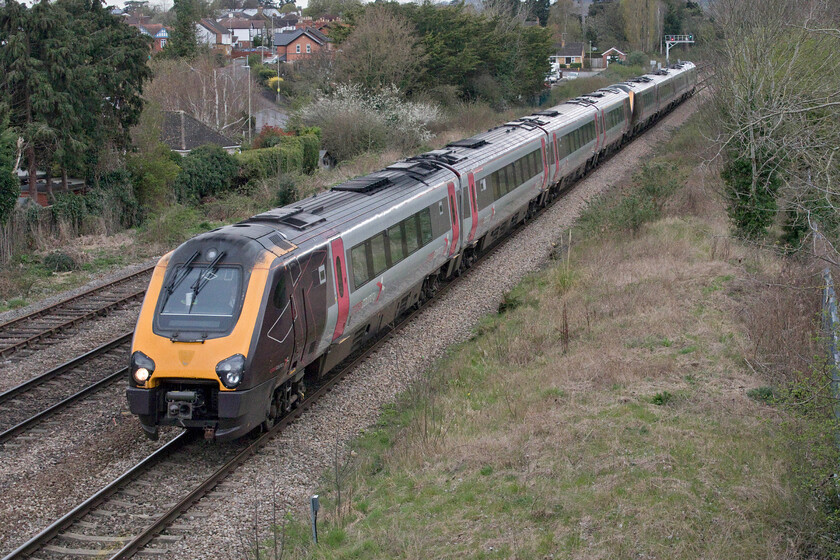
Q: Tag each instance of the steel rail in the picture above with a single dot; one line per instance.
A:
(64, 368)
(39, 540)
(82, 315)
(57, 407)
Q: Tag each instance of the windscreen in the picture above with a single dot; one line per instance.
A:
(202, 300)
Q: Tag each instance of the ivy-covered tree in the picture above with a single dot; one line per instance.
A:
(9, 186)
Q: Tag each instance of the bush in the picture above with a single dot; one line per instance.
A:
(751, 210)
(113, 199)
(153, 174)
(292, 154)
(172, 225)
(59, 261)
(353, 121)
(269, 136)
(70, 208)
(207, 170)
(637, 58)
(575, 65)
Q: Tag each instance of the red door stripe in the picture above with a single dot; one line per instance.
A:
(456, 231)
(473, 206)
(556, 157)
(342, 293)
(545, 165)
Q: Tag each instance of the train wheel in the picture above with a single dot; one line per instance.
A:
(273, 410)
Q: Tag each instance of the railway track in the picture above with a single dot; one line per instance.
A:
(122, 508)
(41, 326)
(28, 404)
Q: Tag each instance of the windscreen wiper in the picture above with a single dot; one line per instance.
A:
(179, 277)
(202, 279)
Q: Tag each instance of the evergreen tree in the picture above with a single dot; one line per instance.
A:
(9, 186)
(539, 9)
(183, 40)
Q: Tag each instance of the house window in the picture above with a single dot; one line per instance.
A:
(162, 43)
(297, 49)
(308, 48)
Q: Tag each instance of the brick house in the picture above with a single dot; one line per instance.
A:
(568, 54)
(156, 31)
(612, 55)
(300, 43)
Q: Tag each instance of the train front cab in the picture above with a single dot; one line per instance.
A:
(192, 353)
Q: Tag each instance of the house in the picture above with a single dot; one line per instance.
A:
(183, 133)
(210, 33)
(156, 31)
(568, 54)
(300, 43)
(612, 55)
(243, 30)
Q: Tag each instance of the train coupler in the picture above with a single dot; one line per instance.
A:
(209, 433)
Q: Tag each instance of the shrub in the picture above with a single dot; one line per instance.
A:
(207, 170)
(153, 174)
(575, 65)
(353, 121)
(637, 58)
(751, 208)
(113, 199)
(172, 225)
(58, 261)
(70, 208)
(661, 399)
(269, 136)
(291, 154)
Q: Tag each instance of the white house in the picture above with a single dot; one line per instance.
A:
(218, 37)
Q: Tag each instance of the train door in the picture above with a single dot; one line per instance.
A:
(546, 168)
(342, 290)
(279, 323)
(311, 298)
(454, 219)
(298, 309)
(473, 206)
(556, 147)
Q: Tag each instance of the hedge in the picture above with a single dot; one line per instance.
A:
(292, 154)
(575, 65)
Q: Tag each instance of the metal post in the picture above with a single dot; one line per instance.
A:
(248, 77)
(314, 506)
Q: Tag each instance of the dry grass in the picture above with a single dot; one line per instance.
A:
(604, 413)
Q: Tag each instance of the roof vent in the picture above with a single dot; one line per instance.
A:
(548, 113)
(448, 157)
(365, 185)
(471, 143)
(419, 168)
(302, 220)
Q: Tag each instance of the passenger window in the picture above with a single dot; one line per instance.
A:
(396, 240)
(360, 265)
(425, 226)
(280, 299)
(497, 182)
(510, 179)
(536, 157)
(466, 211)
(521, 171)
(377, 251)
(411, 234)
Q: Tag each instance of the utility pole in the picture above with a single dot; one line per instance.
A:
(671, 40)
(248, 77)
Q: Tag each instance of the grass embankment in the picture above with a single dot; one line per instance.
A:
(604, 412)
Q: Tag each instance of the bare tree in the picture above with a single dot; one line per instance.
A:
(381, 51)
(777, 102)
(218, 97)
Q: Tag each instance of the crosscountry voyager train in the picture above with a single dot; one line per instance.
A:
(237, 320)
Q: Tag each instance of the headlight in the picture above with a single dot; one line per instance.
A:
(142, 367)
(230, 371)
